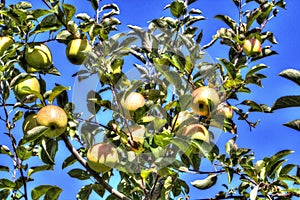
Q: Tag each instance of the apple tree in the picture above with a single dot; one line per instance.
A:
(159, 120)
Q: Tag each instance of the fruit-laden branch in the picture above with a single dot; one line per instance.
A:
(93, 173)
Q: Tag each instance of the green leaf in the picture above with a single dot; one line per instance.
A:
(275, 161)
(295, 124)
(231, 71)
(24, 152)
(69, 161)
(252, 16)
(4, 193)
(48, 150)
(286, 169)
(34, 134)
(69, 11)
(227, 20)
(41, 190)
(23, 5)
(18, 115)
(178, 8)
(49, 23)
(253, 193)
(33, 170)
(99, 189)
(5, 150)
(286, 102)
(40, 12)
(7, 184)
(79, 174)
(295, 191)
(4, 168)
(53, 193)
(64, 36)
(291, 74)
(206, 183)
(84, 192)
(255, 69)
(57, 90)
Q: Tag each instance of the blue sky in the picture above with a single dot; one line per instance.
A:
(265, 140)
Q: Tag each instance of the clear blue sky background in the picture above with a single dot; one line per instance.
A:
(265, 140)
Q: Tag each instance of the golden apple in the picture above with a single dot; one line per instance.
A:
(5, 43)
(134, 101)
(195, 131)
(53, 117)
(102, 157)
(29, 123)
(38, 56)
(27, 87)
(204, 99)
(76, 51)
(252, 47)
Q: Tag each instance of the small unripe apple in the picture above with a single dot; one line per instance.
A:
(195, 131)
(53, 117)
(204, 99)
(76, 51)
(252, 47)
(38, 56)
(29, 123)
(136, 137)
(5, 43)
(25, 88)
(225, 110)
(102, 157)
(134, 101)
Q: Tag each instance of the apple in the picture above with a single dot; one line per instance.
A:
(204, 99)
(136, 137)
(5, 43)
(29, 123)
(225, 110)
(195, 131)
(102, 157)
(25, 88)
(251, 46)
(38, 56)
(76, 49)
(180, 118)
(134, 101)
(53, 117)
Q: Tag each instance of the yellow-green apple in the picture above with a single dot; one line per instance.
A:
(38, 56)
(225, 110)
(136, 137)
(5, 43)
(29, 123)
(251, 46)
(134, 101)
(53, 117)
(76, 51)
(26, 87)
(102, 157)
(195, 131)
(180, 117)
(204, 99)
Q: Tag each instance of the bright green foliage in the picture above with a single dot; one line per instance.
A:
(169, 58)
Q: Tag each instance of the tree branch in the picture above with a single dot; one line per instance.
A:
(82, 161)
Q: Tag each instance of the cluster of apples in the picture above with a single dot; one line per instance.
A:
(102, 157)
(38, 57)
